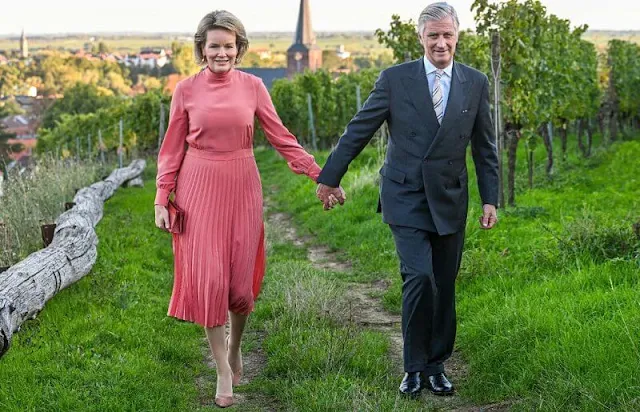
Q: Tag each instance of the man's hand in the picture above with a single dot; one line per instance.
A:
(330, 196)
(489, 217)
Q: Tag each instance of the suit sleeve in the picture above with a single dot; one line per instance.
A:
(484, 150)
(173, 148)
(358, 133)
(298, 160)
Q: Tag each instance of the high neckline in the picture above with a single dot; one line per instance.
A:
(217, 77)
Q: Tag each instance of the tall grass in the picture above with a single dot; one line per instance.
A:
(36, 196)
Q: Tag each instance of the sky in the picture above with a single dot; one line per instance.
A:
(74, 16)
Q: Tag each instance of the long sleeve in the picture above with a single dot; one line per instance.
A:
(358, 133)
(280, 137)
(173, 148)
(484, 150)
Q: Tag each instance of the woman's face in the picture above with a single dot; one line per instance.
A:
(220, 50)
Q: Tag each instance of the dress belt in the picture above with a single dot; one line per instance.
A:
(212, 155)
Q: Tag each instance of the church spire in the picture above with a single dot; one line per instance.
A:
(304, 31)
(24, 46)
(304, 53)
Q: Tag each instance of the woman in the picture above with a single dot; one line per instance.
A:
(219, 258)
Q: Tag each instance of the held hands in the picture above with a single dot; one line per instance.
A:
(489, 217)
(162, 217)
(330, 196)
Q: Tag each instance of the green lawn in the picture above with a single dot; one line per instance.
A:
(548, 301)
(106, 344)
(548, 316)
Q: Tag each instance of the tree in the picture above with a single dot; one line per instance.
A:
(151, 83)
(474, 50)
(402, 38)
(330, 60)
(182, 59)
(363, 62)
(624, 83)
(10, 79)
(5, 147)
(60, 72)
(251, 59)
(9, 107)
(140, 115)
(521, 27)
(101, 48)
(81, 98)
(333, 102)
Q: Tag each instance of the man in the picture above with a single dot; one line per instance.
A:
(434, 107)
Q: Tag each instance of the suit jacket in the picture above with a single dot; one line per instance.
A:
(424, 176)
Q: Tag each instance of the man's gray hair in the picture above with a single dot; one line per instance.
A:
(435, 12)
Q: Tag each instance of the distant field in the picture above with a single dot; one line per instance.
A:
(123, 44)
(354, 42)
(601, 38)
(351, 42)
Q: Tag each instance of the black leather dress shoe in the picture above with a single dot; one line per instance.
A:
(439, 384)
(412, 384)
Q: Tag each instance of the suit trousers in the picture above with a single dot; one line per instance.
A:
(429, 264)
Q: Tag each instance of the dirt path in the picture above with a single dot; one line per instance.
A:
(254, 361)
(366, 310)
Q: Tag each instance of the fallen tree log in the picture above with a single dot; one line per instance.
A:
(137, 182)
(29, 284)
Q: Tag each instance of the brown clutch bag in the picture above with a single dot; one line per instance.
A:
(176, 218)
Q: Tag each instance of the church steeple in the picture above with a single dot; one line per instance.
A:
(304, 31)
(304, 53)
(24, 46)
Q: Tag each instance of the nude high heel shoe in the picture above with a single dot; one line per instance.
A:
(224, 400)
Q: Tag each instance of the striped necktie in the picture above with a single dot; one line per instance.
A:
(437, 96)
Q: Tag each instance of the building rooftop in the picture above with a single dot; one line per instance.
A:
(268, 75)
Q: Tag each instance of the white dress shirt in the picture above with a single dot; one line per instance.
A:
(445, 81)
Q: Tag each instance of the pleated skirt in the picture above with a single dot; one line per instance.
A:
(219, 258)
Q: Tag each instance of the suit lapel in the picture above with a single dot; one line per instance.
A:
(417, 88)
(457, 94)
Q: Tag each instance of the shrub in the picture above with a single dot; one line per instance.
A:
(36, 196)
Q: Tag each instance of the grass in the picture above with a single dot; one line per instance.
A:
(550, 326)
(317, 359)
(37, 197)
(105, 342)
(548, 301)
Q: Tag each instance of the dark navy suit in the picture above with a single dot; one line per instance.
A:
(423, 191)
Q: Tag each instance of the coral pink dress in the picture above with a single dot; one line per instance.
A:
(207, 159)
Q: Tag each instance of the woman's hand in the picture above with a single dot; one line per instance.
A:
(162, 217)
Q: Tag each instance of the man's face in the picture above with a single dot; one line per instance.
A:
(439, 40)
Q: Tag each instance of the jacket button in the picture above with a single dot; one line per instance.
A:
(412, 134)
(450, 162)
